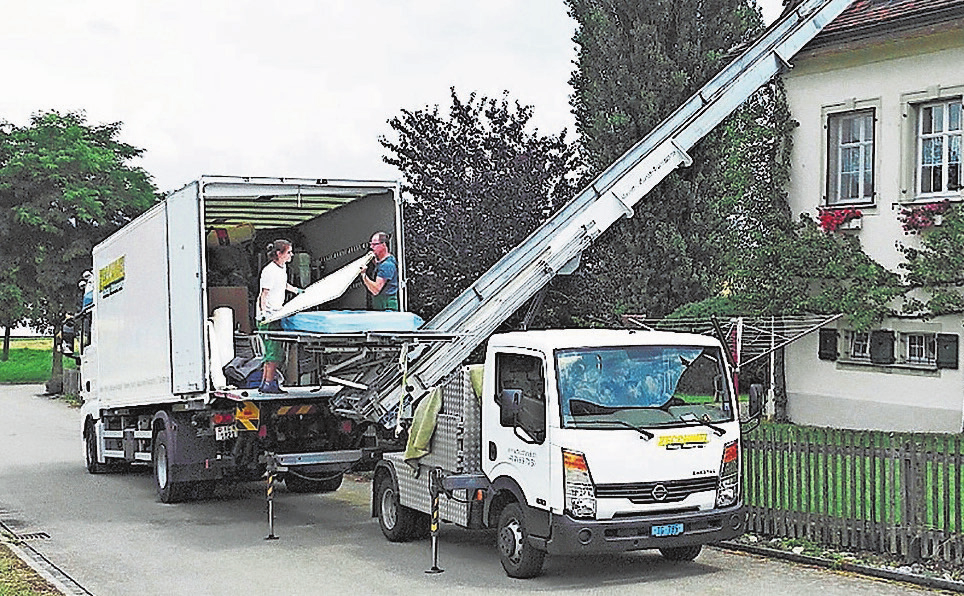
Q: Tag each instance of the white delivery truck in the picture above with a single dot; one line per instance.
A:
(171, 303)
(577, 442)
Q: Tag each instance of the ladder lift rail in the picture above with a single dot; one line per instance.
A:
(557, 244)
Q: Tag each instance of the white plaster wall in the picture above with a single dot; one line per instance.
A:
(847, 395)
(879, 75)
(826, 393)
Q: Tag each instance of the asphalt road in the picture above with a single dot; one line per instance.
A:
(111, 536)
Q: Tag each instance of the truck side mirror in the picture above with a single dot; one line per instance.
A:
(510, 404)
(757, 395)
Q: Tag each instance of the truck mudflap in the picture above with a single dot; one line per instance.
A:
(570, 536)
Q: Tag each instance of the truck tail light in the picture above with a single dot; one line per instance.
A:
(579, 490)
(220, 418)
(729, 490)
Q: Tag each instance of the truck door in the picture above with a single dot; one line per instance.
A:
(514, 430)
(184, 285)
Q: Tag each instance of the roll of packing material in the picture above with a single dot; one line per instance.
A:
(224, 332)
(215, 360)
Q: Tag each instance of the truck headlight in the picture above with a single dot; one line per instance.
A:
(728, 492)
(580, 492)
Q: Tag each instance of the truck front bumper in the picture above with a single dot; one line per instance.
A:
(570, 536)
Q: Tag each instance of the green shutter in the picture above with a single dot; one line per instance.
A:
(827, 349)
(882, 347)
(947, 350)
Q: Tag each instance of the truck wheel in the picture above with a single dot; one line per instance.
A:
(297, 484)
(519, 558)
(681, 553)
(90, 452)
(168, 491)
(396, 521)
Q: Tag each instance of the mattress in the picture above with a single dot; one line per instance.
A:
(351, 321)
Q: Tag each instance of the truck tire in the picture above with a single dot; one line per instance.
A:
(298, 484)
(681, 553)
(168, 491)
(519, 558)
(398, 523)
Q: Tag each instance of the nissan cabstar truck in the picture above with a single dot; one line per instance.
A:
(578, 442)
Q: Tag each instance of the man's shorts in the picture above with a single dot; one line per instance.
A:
(274, 351)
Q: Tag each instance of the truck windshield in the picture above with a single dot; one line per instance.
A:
(642, 386)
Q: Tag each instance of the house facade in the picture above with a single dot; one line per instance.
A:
(878, 97)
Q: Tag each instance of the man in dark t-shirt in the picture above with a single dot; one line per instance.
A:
(384, 288)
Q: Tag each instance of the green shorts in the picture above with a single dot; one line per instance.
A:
(385, 302)
(274, 351)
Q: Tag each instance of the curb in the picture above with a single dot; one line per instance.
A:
(878, 572)
(60, 581)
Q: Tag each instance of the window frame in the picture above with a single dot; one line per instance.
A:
(927, 348)
(864, 354)
(947, 135)
(866, 147)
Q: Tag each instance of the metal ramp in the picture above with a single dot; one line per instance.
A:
(555, 246)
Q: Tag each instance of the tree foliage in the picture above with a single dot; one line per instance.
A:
(934, 271)
(64, 186)
(480, 179)
(637, 62)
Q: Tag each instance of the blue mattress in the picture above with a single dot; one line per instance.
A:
(349, 321)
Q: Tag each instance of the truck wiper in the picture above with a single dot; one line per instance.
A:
(705, 421)
(642, 431)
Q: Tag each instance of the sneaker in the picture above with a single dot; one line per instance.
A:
(271, 387)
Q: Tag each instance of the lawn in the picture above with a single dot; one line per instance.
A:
(17, 579)
(29, 361)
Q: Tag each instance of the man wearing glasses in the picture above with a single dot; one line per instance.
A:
(384, 288)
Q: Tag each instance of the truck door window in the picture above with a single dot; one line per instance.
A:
(526, 374)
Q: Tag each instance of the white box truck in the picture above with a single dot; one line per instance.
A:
(578, 442)
(152, 357)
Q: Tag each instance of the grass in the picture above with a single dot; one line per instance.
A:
(18, 579)
(30, 361)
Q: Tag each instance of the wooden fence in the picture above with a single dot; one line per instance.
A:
(896, 493)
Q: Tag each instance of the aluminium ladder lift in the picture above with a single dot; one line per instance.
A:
(555, 247)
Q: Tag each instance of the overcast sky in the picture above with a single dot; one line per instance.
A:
(293, 88)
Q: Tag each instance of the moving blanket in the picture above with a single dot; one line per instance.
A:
(324, 290)
(423, 427)
(350, 321)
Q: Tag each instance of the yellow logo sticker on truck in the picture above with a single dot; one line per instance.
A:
(247, 416)
(110, 279)
(691, 441)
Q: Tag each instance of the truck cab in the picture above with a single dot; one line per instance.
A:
(612, 440)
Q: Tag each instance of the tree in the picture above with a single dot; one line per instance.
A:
(637, 62)
(64, 186)
(480, 179)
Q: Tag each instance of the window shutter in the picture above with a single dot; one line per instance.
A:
(828, 344)
(882, 347)
(947, 350)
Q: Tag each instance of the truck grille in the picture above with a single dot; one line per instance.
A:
(667, 491)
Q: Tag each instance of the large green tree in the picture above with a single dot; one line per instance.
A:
(480, 178)
(637, 62)
(64, 186)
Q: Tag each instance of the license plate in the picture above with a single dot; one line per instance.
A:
(667, 530)
(223, 433)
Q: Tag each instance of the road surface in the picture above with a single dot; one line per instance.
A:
(110, 535)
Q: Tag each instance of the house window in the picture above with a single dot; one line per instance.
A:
(860, 345)
(921, 348)
(939, 148)
(850, 157)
